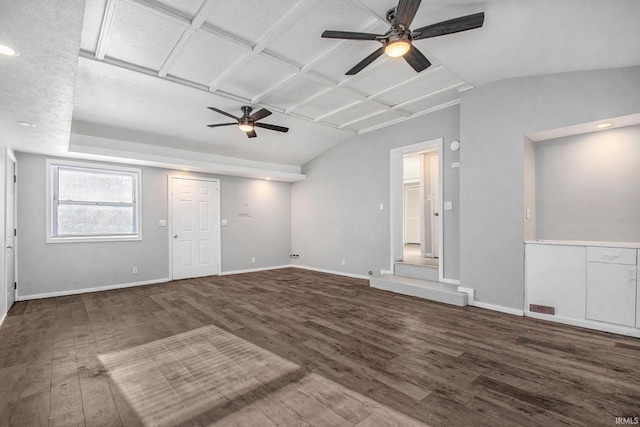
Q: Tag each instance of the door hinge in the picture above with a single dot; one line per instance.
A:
(15, 179)
(15, 285)
(15, 232)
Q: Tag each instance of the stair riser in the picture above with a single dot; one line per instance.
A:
(458, 299)
(416, 272)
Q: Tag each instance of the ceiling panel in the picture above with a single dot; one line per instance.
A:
(358, 111)
(255, 78)
(185, 8)
(248, 20)
(141, 37)
(338, 62)
(379, 120)
(327, 103)
(93, 13)
(303, 42)
(394, 71)
(429, 82)
(198, 62)
(432, 102)
(295, 92)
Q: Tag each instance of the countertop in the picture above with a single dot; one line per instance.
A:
(631, 245)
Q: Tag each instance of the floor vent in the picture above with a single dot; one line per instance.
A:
(535, 308)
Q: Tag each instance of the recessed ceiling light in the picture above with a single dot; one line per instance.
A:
(27, 124)
(604, 125)
(6, 50)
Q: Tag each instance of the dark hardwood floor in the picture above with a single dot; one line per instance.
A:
(294, 347)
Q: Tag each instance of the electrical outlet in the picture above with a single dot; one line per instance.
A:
(343, 261)
(135, 270)
(253, 260)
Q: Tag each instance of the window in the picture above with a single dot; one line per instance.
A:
(89, 202)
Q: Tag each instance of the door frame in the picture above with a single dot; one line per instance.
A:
(10, 156)
(436, 207)
(218, 243)
(396, 193)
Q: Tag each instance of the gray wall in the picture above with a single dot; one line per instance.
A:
(493, 120)
(58, 267)
(3, 289)
(588, 186)
(336, 210)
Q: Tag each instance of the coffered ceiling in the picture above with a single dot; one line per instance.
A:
(147, 69)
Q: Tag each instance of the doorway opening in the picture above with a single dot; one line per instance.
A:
(416, 205)
(420, 208)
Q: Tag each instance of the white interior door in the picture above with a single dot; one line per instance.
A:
(435, 206)
(10, 226)
(195, 229)
(412, 214)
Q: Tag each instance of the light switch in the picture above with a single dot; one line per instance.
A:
(455, 164)
(223, 222)
(448, 206)
(381, 206)
(162, 223)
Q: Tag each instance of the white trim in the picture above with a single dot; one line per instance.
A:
(89, 290)
(92, 165)
(599, 326)
(337, 273)
(499, 308)
(170, 218)
(10, 156)
(2, 318)
(386, 272)
(395, 157)
(254, 270)
(451, 281)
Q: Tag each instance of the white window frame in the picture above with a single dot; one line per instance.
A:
(50, 163)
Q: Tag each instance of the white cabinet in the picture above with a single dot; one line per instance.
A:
(555, 277)
(595, 286)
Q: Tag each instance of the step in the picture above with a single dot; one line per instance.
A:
(423, 272)
(434, 291)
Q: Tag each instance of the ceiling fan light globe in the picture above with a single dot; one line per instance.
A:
(397, 48)
(245, 127)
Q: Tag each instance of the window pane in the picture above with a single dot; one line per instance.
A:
(86, 185)
(84, 220)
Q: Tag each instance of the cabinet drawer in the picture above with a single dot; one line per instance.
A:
(611, 255)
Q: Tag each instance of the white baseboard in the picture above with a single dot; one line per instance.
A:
(4, 316)
(589, 324)
(450, 281)
(386, 272)
(254, 270)
(502, 309)
(87, 290)
(499, 308)
(338, 273)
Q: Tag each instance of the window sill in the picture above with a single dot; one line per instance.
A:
(93, 239)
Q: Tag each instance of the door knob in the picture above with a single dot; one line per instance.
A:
(436, 214)
(9, 246)
(175, 236)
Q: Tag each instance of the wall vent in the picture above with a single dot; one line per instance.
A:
(535, 308)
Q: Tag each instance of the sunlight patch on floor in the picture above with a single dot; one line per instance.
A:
(209, 376)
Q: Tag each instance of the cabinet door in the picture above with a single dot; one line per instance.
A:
(611, 293)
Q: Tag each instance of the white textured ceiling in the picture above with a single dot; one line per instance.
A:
(148, 69)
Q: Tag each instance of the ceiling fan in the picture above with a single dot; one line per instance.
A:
(397, 41)
(247, 122)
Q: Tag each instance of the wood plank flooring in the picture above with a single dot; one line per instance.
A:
(294, 347)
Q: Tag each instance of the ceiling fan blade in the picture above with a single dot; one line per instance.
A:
(222, 124)
(223, 112)
(417, 60)
(366, 61)
(260, 114)
(405, 12)
(271, 127)
(456, 25)
(349, 35)
(252, 134)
